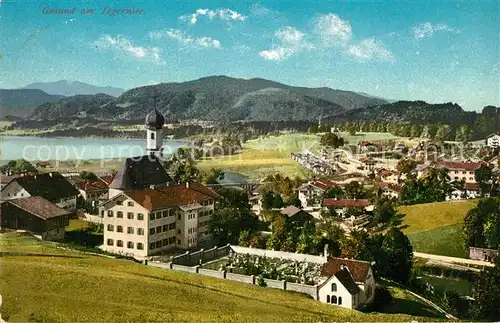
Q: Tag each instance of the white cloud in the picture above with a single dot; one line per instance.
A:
(369, 49)
(185, 39)
(289, 41)
(332, 29)
(223, 14)
(427, 30)
(259, 10)
(124, 45)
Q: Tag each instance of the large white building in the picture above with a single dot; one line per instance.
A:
(146, 212)
(493, 140)
(311, 194)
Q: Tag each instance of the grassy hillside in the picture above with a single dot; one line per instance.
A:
(436, 228)
(422, 217)
(50, 285)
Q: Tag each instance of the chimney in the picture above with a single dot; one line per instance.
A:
(187, 184)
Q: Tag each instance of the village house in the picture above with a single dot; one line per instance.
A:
(389, 189)
(311, 193)
(5, 179)
(341, 206)
(461, 170)
(255, 201)
(53, 187)
(34, 214)
(144, 222)
(348, 283)
(297, 215)
(43, 164)
(469, 191)
(388, 176)
(93, 190)
(493, 140)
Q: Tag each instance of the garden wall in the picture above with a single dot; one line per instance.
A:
(280, 284)
(212, 273)
(279, 254)
(193, 259)
(241, 278)
(301, 288)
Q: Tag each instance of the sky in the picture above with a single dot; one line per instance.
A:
(436, 51)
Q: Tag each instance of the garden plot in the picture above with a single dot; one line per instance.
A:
(272, 268)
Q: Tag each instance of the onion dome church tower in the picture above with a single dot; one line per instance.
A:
(154, 140)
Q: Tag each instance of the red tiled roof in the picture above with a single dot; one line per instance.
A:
(107, 179)
(43, 163)
(92, 186)
(324, 183)
(472, 186)
(167, 196)
(359, 269)
(345, 203)
(391, 186)
(39, 207)
(460, 165)
(4, 179)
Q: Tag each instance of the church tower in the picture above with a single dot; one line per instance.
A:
(154, 124)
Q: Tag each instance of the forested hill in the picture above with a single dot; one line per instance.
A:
(216, 98)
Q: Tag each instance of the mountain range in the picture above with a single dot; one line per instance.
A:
(216, 98)
(70, 88)
(20, 103)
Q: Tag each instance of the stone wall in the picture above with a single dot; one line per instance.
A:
(278, 284)
(279, 254)
(193, 258)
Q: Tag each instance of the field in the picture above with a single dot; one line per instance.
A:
(436, 228)
(51, 285)
(265, 156)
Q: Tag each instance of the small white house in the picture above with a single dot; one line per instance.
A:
(348, 283)
(493, 140)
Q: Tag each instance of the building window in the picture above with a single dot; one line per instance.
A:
(334, 287)
(171, 240)
(130, 230)
(119, 202)
(171, 226)
(130, 215)
(130, 203)
(165, 242)
(152, 135)
(140, 246)
(130, 245)
(158, 244)
(178, 241)
(119, 243)
(178, 231)
(334, 299)
(152, 231)
(165, 213)
(328, 299)
(151, 216)
(119, 228)
(119, 214)
(158, 229)
(140, 216)
(179, 216)
(102, 213)
(140, 231)
(151, 246)
(165, 227)
(158, 215)
(110, 242)
(110, 227)
(340, 300)
(110, 213)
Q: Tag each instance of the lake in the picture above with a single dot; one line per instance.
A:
(40, 148)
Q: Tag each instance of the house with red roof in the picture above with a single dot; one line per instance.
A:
(143, 222)
(311, 193)
(347, 283)
(341, 205)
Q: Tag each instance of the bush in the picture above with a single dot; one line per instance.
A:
(382, 298)
(262, 282)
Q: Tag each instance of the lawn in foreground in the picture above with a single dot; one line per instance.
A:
(422, 217)
(444, 241)
(53, 285)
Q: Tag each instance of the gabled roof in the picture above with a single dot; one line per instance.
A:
(163, 197)
(107, 178)
(390, 186)
(358, 269)
(5, 179)
(92, 186)
(290, 210)
(50, 186)
(38, 207)
(140, 172)
(322, 184)
(464, 166)
(472, 186)
(494, 134)
(346, 279)
(345, 203)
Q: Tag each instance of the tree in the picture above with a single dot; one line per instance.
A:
(397, 256)
(486, 294)
(213, 176)
(185, 171)
(294, 201)
(484, 176)
(277, 201)
(354, 190)
(406, 166)
(333, 192)
(267, 200)
(331, 140)
(244, 238)
(443, 132)
(20, 166)
(88, 176)
(385, 211)
(352, 131)
(313, 129)
(463, 134)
